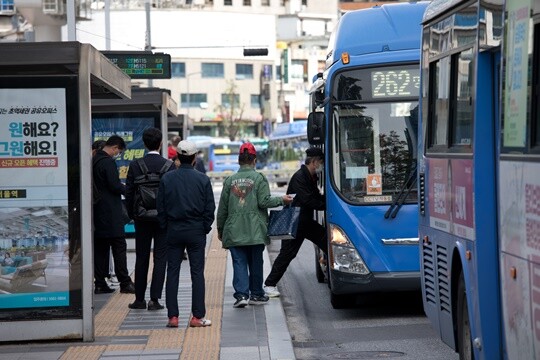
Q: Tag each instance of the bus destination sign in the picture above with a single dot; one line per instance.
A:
(142, 64)
(395, 82)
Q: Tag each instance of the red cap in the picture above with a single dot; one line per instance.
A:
(249, 147)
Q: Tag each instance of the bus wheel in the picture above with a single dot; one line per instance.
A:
(463, 325)
(318, 270)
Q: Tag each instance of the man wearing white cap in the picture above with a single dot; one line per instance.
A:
(186, 208)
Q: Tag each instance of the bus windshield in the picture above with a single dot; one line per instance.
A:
(374, 142)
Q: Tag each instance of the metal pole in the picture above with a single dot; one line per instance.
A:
(71, 32)
(148, 39)
(108, 24)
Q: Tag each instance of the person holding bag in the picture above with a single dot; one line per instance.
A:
(308, 197)
(242, 221)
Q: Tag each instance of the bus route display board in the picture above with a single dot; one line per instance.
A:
(142, 64)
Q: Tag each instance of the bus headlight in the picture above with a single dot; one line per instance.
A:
(343, 255)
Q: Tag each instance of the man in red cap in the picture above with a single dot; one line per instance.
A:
(242, 221)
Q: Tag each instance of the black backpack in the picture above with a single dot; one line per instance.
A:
(144, 199)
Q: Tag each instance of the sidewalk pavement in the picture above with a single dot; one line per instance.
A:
(254, 332)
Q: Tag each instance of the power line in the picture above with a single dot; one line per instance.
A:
(104, 37)
(210, 47)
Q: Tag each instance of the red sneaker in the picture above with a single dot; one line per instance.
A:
(173, 322)
(202, 322)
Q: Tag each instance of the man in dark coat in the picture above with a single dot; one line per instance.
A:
(108, 219)
(146, 230)
(308, 197)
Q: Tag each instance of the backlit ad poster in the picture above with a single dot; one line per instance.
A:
(130, 128)
(34, 261)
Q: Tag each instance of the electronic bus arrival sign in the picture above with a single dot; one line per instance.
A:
(142, 64)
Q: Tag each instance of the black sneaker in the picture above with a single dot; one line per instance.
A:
(241, 302)
(154, 305)
(258, 300)
(138, 304)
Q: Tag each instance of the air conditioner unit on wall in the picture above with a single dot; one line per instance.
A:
(54, 7)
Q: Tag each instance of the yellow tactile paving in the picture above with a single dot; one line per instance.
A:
(111, 316)
(166, 339)
(83, 352)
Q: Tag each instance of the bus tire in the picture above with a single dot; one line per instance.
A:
(463, 325)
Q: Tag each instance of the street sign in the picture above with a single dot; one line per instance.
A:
(142, 64)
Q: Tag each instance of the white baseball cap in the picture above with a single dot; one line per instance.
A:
(186, 147)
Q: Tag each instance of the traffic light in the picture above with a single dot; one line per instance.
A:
(256, 52)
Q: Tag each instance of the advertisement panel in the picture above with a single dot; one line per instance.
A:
(34, 217)
(130, 127)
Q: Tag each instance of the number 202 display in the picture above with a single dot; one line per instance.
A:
(397, 82)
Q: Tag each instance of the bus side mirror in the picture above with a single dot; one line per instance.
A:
(317, 99)
(315, 128)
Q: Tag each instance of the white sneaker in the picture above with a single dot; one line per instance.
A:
(271, 291)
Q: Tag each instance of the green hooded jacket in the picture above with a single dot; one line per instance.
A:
(242, 217)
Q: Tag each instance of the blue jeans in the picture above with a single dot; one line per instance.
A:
(248, 270)
(195, 246)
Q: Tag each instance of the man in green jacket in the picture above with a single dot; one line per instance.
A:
(242, 221)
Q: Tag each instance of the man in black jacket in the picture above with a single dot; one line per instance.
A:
(186, 209)
(148, 229)
(308, 197)
(108, 220)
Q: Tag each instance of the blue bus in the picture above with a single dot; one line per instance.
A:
(286, 145)
(368, 127)
(223, 156)
(479, 176)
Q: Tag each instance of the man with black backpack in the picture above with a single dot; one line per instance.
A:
(142, 183)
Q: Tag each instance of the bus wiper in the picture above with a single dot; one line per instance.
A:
(403, 194)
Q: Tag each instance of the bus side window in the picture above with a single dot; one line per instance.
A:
(535, 119)
(439, 104)
(462, 119)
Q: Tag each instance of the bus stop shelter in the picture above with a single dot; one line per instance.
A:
(46, 93)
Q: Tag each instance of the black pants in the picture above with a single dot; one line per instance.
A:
(102, 248)
(145, 231)
(310, 230)
(195, 245)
